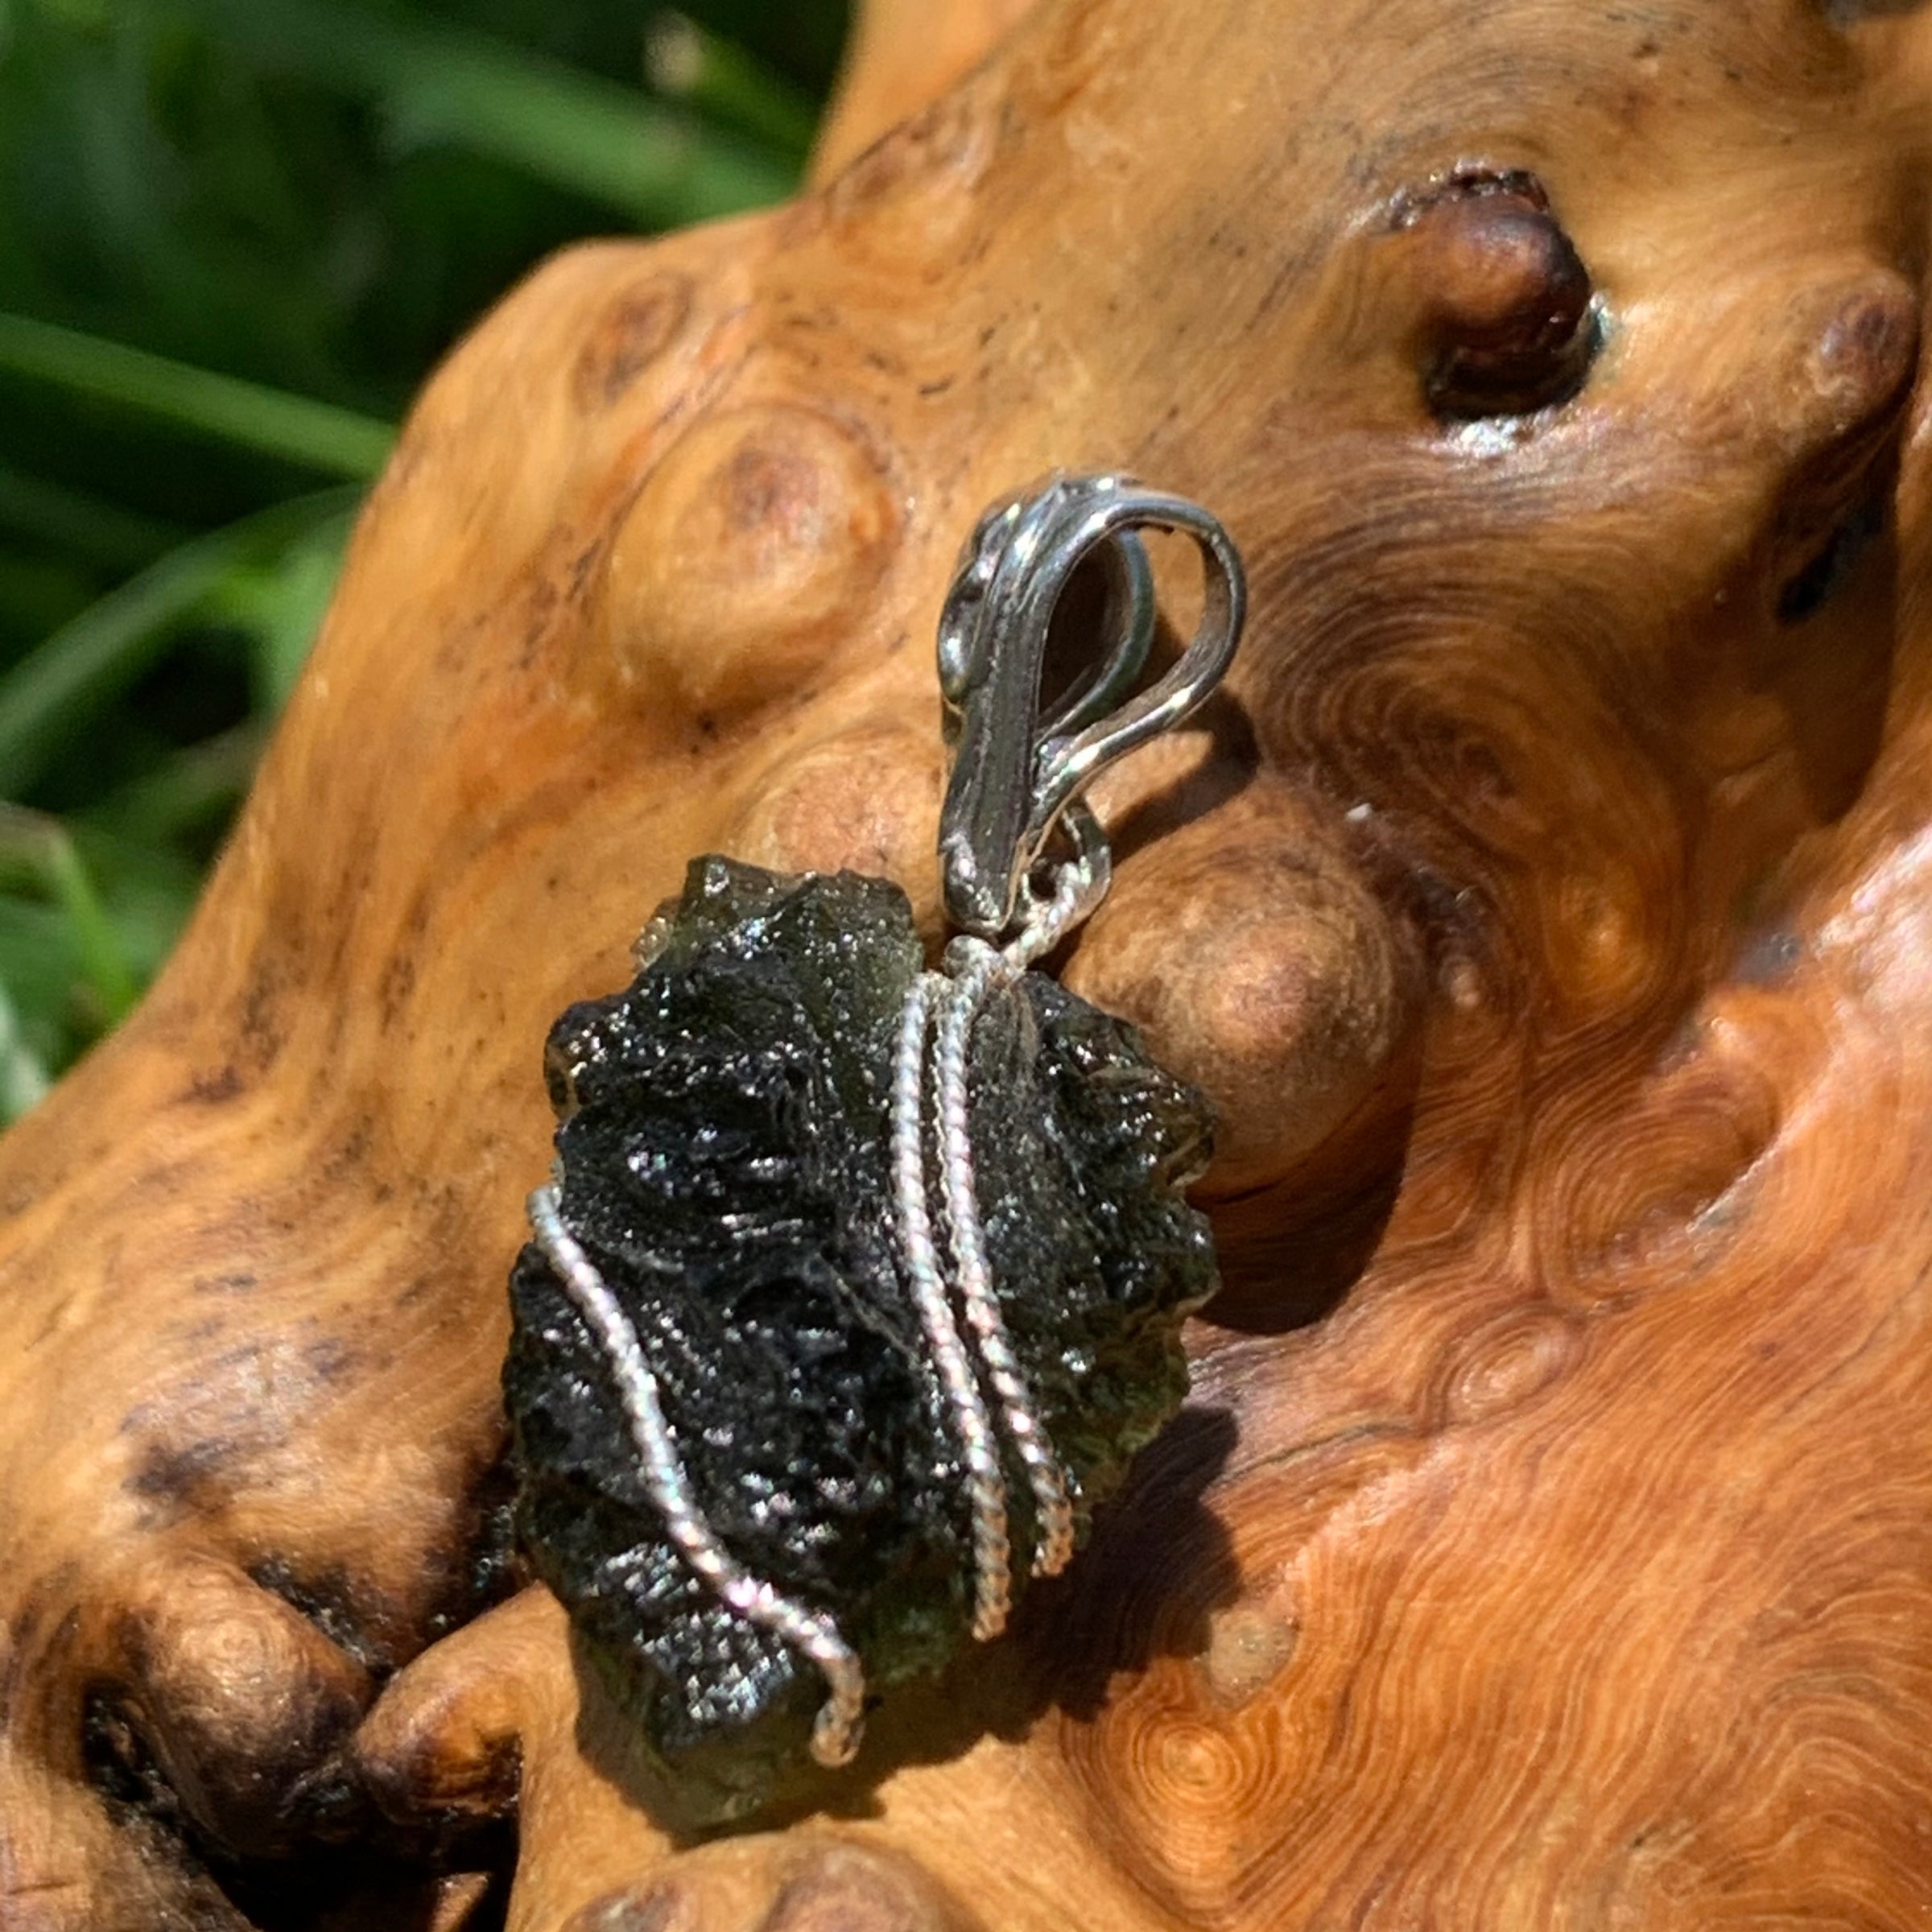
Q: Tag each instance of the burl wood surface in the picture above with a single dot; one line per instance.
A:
(1547, 907)
(902, 55)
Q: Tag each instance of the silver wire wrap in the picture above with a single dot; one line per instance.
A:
(835, 1733)
(974, 971)
(925, 1277)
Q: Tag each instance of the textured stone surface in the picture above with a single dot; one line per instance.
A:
(723, 1141)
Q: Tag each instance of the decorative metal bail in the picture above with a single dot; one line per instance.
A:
(1014, 774)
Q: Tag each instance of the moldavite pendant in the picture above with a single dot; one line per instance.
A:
(856, 1285)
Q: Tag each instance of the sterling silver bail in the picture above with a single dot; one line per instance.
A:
(1016, 777)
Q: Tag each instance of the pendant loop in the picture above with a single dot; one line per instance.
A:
(1014, 773)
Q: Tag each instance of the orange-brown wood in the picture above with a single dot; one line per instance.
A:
(902, 55)
(1549, 1541)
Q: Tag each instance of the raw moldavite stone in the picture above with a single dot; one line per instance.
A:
(723, 1147)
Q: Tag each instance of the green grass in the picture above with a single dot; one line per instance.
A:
(235, 235)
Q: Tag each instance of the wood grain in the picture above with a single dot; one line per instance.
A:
(1549, 1541)
(903, 55)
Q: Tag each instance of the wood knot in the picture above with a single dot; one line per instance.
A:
(233, 1693)
(1867, 350)
(1248, 1648)
(1177, 1785)
(1838, 417)
(633, 330)
(1508, 1364)
(1507, 312)
(1646, 1193)
(747, 555)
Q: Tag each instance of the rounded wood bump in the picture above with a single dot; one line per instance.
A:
(234, 1693)
(844, 1888)
(865, 799)
(1866, 349)
(1507, 324)
(665, 1906)
(749, 556)
(1272, 977)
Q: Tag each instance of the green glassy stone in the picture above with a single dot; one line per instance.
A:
(723, 1141)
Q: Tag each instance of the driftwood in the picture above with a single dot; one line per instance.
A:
(1549, 1543)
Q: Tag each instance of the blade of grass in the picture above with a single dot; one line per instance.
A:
(146, 891)
(102, 533)
(185, 794)
(42, 844)
(297, 428)
(691, 63)
(54, 1011)
(24, 1080)
(39, 592)
(572, 130)
(280, 603)
(38, 967)
(86, 661)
